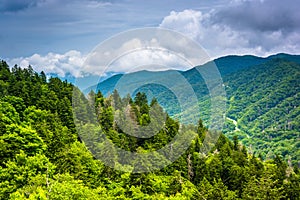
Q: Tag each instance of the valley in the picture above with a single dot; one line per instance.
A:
(262, 99)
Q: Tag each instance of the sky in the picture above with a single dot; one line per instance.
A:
(55, 36)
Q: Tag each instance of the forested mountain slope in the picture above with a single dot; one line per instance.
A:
(42, 157)
(263, 100)
(263, 107)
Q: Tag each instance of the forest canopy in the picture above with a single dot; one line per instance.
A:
(43, 157)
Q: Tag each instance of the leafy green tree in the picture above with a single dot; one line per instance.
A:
(263, 187)
(78, 162)
(140, 99)
(50, 128)
(20, 138)
(24, 173)
(292, 186)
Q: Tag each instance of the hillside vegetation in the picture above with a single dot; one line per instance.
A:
(262, 101)
(42, 157)
(265, 102)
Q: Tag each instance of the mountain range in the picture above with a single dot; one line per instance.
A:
(263, 98)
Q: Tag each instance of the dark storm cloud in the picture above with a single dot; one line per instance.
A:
(259, 15)
(16, 5)
(19, 5)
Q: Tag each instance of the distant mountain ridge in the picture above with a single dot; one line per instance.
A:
(226, 65)
(263, 99)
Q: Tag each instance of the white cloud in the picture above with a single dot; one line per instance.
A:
(186, 22)
(150, 48)
(215, 38)
(149, 59)
(61, 64)
(225, 31)
(133, 55)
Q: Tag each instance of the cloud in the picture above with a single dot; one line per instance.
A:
(151, 49)
(134, 54)
(186, 22)
(149, 59)
(196, 25)
(148, 48)
(17, 5)
(244, 27)
(60, 64)
(264, 16)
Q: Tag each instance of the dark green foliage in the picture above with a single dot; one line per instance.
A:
(263, 100)
(41, 156)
